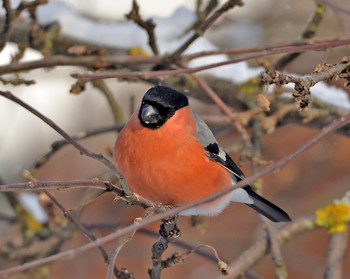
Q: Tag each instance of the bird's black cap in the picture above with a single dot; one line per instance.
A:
(159, 104)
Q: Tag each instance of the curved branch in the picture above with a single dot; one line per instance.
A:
(82, 149)
(42, 185)
(87, 61)
(308, 32)
(261, 247)
(335, 255)
(248, 180)
(205, 25)
(6, 31)
(57, 145)
(150, 74)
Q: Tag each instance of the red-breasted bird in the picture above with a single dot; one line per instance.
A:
(169, 155)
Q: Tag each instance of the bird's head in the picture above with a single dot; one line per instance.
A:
(159, 104)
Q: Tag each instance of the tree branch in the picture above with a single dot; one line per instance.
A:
(150, 74)
(308, 32)
(82, 149)
(335, 255)
(260, 248)
(6, 31)
(204, 26)
(148, 26)
(248, 180)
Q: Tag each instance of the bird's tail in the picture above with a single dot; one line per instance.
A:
(266, 208)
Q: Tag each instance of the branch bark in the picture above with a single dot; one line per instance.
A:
(294, 226)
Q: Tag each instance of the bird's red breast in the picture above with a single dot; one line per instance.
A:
(168, 164)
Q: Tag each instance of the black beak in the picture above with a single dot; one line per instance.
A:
(150, 115)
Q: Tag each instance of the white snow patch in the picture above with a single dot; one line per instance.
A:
(30, 202)
(327, 93)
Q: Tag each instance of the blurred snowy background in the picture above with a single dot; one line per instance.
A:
(102, 23)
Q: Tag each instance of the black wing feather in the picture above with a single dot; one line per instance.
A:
(216, 153)
(261, 205)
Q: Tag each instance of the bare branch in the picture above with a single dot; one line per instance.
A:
(41, 185)
(214, 96)
(281, 272)
(6, 31)
(169, 231)
(116, 109)
(148, 25)
(336, 6)
(82, 149)
(124, 273)
(274, 246)
(231, 51)
(28, 5)
(57, 145)
(150, 74)
(204, 26)
(303, 84)
(296, 226)
(222, 266)
(308, 32)
(88, 61)
(89, 183)
(336, 254)
(260, 248)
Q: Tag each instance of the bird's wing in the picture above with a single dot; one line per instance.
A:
(214, 151)
(245, 194)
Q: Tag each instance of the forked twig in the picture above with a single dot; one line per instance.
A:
(73, 252)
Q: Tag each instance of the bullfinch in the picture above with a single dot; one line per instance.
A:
(168, 154)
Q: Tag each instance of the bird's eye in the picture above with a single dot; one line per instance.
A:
(171, 112)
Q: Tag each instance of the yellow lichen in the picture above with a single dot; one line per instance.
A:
(334, 217)
(137, 51)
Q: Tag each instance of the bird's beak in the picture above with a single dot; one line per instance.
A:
(150, 115)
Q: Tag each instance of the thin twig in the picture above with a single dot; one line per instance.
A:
(57, 145)
(154, 234)
(202, 14)
(308, 32)
(82, 149)
(204, 26)
(116, 109)
(231, 51)
(307, 222)
(239, 127)
(89, 183)
(260, 248)
(303, 84)
(201, 82)
(87, 61)
(337, 6)
(222, 266)
(280, 268)
(335, 256)
(169, 231)
(116, 250)
(41, 185)
(28, 5)
(150, 74)
(5, 34)
(87, 233)
(109, 61)
(126, 238)
(147, 25)
(66, 214)
(274, 246)
(7, 218)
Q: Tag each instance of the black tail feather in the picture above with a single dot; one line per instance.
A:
(266, 208)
